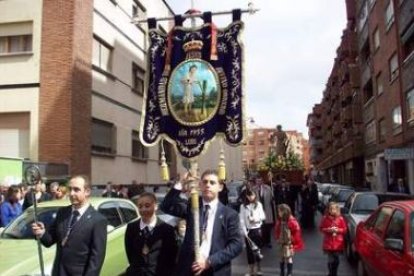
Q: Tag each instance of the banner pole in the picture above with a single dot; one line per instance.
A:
(32, 176)
(195, 207)
(250, 10)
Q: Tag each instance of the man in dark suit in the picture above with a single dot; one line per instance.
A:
(265, 194)
(79, 232)
(220, 236)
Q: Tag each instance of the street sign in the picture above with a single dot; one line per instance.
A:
(399, 154)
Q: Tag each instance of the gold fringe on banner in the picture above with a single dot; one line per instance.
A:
(165, 174)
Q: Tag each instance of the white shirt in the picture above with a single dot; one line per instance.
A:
(251, 217)
(81, 210)
(151, 225)
(205, 246)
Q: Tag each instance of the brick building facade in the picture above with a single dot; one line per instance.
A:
(258, 146)
(72, 86)
(362, 131)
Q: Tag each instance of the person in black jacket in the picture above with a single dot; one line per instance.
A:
(220, 236)
(309, 196)
(79, 232)
(150, 243)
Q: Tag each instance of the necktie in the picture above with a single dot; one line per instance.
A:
(146, 232)
(206, 212)
(73, 219)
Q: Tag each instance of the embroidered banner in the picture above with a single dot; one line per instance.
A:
(194, 86)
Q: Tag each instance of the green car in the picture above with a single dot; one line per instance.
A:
(18, 248)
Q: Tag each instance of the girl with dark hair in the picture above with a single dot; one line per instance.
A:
(251, 218)
(10, 208)
(289, 236)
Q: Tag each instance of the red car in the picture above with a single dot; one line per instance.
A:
(385, 241)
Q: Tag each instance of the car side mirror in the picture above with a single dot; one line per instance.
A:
(344, 210)
(394, 244)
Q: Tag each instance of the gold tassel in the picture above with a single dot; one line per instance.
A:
(165, 174)
(221, 166)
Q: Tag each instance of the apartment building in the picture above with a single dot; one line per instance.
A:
(72, 79)
(71, 85)
(380, 103)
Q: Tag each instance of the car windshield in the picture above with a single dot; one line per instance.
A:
(324, 189)
(365, 204)
(21, 227)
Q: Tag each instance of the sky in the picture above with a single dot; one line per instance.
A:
(290, 46)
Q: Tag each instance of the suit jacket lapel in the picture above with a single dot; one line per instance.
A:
(65, 219)
(218, 222)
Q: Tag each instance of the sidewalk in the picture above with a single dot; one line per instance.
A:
(309, 262)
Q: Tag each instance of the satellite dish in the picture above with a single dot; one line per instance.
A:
(32, 175)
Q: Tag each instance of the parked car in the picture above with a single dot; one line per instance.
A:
(322, 189)
(18, 248)
(358, 207)
(328, 192)
(341, 194)
(385, 243)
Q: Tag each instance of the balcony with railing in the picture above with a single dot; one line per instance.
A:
(346, 114)
(328, 121)
(357, 113)
(369, 111)
(346, 91)
(347, 136)
(363, 37)
(366, 72)
(337, 143)
(337, 129)
(354, 75)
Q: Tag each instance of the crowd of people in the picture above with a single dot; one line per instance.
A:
(156, 248)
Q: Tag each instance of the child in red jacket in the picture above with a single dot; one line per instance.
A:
(333, 227)
(289, 236)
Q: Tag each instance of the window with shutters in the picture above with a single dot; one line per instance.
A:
(376, 39)
(138, 76)
(380, 86)
(103, 137)
(396, 120)
(139, 151)
(389, 15)
(410, 106)
(15, 44)
(102, 54)
(393, 65)
(370, 133)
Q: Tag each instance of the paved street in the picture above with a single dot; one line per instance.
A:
(311, 261)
